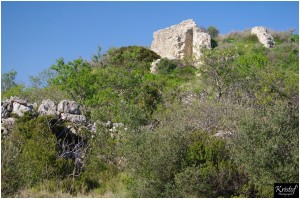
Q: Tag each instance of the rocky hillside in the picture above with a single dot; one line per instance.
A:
(196, 115)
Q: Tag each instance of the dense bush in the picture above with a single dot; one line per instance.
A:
(34, 157)
(130, 57)
(267, 147)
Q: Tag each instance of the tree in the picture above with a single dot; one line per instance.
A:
(8, 80)
(96, 58)
(213, 31)
(76, 78)
(217, 69)
(42, 80)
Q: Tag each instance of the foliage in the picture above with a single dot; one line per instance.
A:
(32, 140)
(42, 80)
(239, 37)
(213, 31)
(214, 43)
(76, 78)
(35, 140)
(267, 147)
(166, 66)
(131, 57)
(8, 80)
(182, 164)
(17, 90)
(96, 58)
(168, 146)
(217, 69)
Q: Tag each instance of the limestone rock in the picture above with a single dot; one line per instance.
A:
(47, 108)
(18, 100)
(77, 119)
(4, 112)
(223, 134)
(66, 106)
(7, 125)
(181, 40)
(263, 36)
(92, 127)
(20, 109)
(154, 66)
(6, 108)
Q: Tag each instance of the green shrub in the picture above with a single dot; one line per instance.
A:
(295, 38)
(17, 90)
(267, 148)
(130, 57)
(35, 160)
(214, 43)
(166, 66)
(213, 31)
(210, 172)
(8, 80)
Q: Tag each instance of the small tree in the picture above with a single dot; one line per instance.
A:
(218, 69)
(213, 31)
(42, 80)
(76, 78)
(8, 80)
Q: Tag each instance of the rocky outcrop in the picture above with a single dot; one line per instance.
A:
(47, 108)
(72, 136)
(69, 110)
(263, 36)
(15, 105)
(20, 109)
(12, 107)
(66, 106)
(181, 40)
(66, 110)
(77, 119)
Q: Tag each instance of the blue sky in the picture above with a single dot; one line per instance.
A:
(35, 34)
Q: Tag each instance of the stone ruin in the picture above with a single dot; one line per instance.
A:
(263, 36)
(181, 40)
(186, 39)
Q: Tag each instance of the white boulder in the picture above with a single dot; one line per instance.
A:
(20, 109)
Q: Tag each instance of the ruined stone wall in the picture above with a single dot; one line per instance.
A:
(263, 36)
(178, 41)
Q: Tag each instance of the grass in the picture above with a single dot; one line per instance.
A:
(111, 187)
